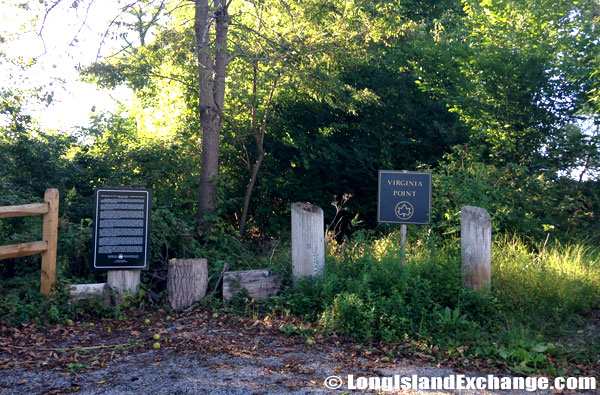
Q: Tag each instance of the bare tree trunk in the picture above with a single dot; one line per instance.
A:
(585, 167)
(259, 136)
(211, 96)
(250, 189)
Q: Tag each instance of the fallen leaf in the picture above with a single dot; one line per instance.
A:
(422, 356)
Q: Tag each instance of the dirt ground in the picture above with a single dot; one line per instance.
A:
(201, 352)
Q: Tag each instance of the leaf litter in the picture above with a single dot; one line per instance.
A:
(202, 354)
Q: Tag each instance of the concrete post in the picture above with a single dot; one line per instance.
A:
(308, 240)
(476, 247)
(123, 282)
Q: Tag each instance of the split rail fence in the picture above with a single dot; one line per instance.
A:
(47, 246)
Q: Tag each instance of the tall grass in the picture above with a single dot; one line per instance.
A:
(538, 296)
(546, 283)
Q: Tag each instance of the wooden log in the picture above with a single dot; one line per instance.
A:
(476, 247)
(50, 235)
(260, 284)
(187, 281)
(23, 210)
(308, 240)
(123, 283)
(85, 291)
(22, 249)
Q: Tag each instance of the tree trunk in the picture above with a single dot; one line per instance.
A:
(249, 190)
(187, 280)
(259, 135)
(211, 91)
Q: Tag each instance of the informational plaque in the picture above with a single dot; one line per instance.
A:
(404, 197)
(122, 228)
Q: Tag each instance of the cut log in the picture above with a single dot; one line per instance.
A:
(308, 240)
(85, 291)
(476, 247)
(260, 284)
(123, 283)
(187, 281)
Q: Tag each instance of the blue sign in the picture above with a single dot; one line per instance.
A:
(404, 197)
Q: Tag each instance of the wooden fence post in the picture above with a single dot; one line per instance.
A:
(308, 240)
(50, 236)
(476, 247)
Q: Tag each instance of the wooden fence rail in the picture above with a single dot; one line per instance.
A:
(47, 247)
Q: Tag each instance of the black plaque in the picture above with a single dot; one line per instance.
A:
(404, 197)
(122, 228)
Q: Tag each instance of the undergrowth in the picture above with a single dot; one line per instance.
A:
(529, 320)
(537, 316)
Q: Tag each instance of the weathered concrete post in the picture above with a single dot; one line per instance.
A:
(123, 282)
(476, 247)
(308, 240)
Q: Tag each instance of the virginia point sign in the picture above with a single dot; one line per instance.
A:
(121, 228)
(404, 197)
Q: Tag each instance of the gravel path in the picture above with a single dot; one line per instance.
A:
(154, 372)
(231, 357)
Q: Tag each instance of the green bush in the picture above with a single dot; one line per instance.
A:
(519, 201)
(538, 296)
(367, 293)
(350, 316)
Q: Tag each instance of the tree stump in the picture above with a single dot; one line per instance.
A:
(308, 240)
(476, 247)
(260, 284)
(123, 282)
(187, 281)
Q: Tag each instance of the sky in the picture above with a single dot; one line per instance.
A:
(70, 37)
